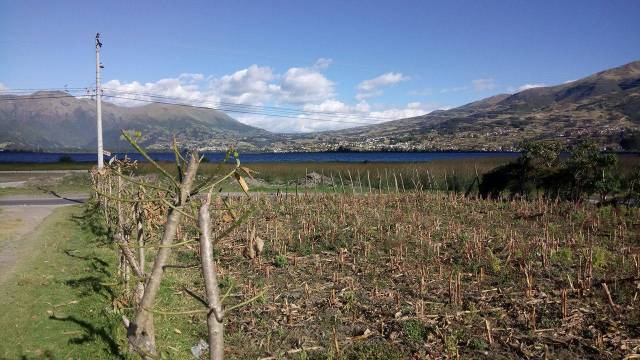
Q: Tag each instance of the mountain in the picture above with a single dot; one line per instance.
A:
(57, 120)
(604, 106)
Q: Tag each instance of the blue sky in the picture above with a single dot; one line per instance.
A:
(377, 59)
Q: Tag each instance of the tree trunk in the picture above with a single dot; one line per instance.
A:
(140, 332)
(214, 317)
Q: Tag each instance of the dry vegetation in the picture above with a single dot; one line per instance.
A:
(414, 274)
(433, 275)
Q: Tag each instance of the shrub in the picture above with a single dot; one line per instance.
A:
(65, 159)
(280, 261)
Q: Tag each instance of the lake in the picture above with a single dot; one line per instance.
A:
(41, 158)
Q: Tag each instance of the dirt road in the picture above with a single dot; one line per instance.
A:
(16, 222)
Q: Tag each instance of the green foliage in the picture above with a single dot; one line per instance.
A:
(479, 344)
(65, 159)
(280, 261)
(632, 182)
(414, 330)
(601, 257)
(526, 174)
(562, 257)
(542, 153)
(631, 141)
(494, 263)
(589, 170)
(586, 171)
(376, 350)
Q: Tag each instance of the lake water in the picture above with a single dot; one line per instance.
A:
(39, 157)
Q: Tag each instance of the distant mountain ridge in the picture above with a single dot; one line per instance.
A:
(604, 106)
(57, 120)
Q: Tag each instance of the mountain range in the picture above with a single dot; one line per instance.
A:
(604, 106)
(55, 120)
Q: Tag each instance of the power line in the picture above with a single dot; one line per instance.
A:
(26, 97)
(65, 89)
(271, 111)
(256, 107)
(235, 110)
(276, 108)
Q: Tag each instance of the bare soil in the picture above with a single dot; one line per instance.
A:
(16, 222)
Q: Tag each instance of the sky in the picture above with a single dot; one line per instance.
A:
(375, 60)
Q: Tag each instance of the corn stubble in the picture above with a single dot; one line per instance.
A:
(403, 274)
(478, 277)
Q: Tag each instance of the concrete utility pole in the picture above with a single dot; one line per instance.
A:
(99, 103)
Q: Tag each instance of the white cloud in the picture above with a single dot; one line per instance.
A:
(2, 87)
(373, 87)
(254, 85)
(247, 86)
(483, 84)
(322, 63)
(529, 86)
(344, 116)
(305, 88)
(513, 89)
(191, 77)
(302, 85)
(411, 110)
(182, 88)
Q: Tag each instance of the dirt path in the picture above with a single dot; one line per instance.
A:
(15, 223)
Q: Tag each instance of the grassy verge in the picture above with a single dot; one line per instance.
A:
(43, 184)
(57, 305)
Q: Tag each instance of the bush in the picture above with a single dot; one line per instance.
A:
(280, 261)
(65, 159)
(586, 171)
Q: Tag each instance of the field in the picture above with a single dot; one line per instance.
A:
(269, 177)
(459, 173)
(422, 275)
(380, 267)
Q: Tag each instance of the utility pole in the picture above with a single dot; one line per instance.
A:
(99, 103)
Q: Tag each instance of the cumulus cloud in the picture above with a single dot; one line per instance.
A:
(344, 116)
(2, 87)
(373, 87)
(247, 86)
(483, 84)
(254, 85)
(302, 85)
(411, 110)
(305, 88)
(182, 88)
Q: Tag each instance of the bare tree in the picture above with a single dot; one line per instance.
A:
(209, 272)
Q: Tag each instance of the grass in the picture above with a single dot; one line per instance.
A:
(40, 184)
(57, 305)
